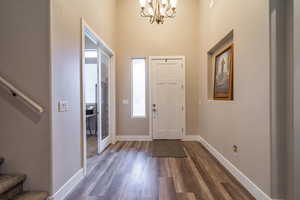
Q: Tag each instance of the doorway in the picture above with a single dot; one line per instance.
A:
(167, 97)
(98, 95)
(91, 72)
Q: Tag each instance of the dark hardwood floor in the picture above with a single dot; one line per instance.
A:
(126, 171)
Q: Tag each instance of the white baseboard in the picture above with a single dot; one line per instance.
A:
(242, 178)
(63, 192)
(133, 138)
(149, 138)
(191, 138)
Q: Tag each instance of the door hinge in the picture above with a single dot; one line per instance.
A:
(182, 130)
(182, 108)
(182, 86)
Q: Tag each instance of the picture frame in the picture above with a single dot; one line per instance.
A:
(223, 74)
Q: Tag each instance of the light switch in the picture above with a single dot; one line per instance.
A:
(125, 101)
(63, 106)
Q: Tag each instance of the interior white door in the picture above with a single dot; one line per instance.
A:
(168, 98)
(104, 138)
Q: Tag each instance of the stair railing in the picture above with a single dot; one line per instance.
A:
(20, 95)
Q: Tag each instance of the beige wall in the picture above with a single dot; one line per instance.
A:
(279, 95)
(136, 37)
(296, 79)
(244, 122)
(24, 61)
(294, 136)
(66, 40)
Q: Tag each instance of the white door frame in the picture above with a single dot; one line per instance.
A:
(150, 60)
(85, 28)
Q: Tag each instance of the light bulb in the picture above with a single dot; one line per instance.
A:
(211, 3)
(173, 3)
(163, 11)
(143, 3)
(150, 11)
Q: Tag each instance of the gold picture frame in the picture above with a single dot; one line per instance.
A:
(223, 76)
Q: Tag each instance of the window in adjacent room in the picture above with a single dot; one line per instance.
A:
(138, 88)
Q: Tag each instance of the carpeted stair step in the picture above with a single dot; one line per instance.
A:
(11, 185)
(31, 196)
(1, 161)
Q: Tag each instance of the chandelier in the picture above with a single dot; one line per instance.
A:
(158, 10)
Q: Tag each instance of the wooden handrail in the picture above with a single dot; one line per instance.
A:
(17, 93)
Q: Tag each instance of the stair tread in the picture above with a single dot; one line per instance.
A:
(8, 182)
(32, 196)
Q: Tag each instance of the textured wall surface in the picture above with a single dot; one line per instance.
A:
(244, 122)
(24, 61)
(66, 55)
(138, 38)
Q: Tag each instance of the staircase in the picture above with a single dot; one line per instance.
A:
(11, 188)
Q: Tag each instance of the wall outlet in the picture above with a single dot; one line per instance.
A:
(125, 101)
(63, 106)
(235, 148)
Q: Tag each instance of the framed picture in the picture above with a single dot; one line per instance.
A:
(223, 77)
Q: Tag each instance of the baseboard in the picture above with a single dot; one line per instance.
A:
(242, 178)
(63, 192)
(133, 138)
(149, 138)
(191, 138)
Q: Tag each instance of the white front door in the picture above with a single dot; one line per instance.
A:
(167, 97)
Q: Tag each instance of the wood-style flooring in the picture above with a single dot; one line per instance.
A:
(127, 171)
(91, 146)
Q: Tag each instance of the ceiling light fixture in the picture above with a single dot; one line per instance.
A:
(158, 10)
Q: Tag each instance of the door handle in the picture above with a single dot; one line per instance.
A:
(154, 110)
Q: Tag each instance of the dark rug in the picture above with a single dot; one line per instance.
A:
(168, 148)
